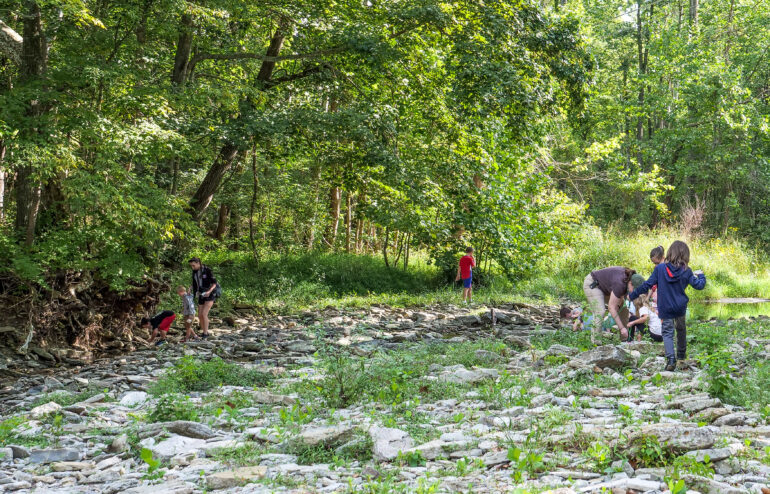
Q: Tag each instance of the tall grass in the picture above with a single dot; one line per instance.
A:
(315, 280)
(733, 269)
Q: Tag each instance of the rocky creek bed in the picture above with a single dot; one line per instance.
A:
(437, 399)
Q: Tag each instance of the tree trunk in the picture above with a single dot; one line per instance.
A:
(141, 32)
(408, 250)
(2, 182)
(385, 247)
(205, 193)
(348, 221)
(175, 175)
(335, 197)
(728, 38)
(640, 69)
(255, 188)
(694, 13)
(33, 66)
(359, 235)
(224, 216)
(229, 152)
(398, 246)
(183, 50)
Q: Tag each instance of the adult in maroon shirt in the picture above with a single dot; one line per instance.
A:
(607, 289)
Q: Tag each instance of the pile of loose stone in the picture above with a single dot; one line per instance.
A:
(90, 451)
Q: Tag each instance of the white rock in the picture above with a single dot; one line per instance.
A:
(43, 410)
(389, 442)
(134, 398)
(176, 445)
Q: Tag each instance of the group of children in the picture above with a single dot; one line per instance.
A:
(660, 303)
(161, 323)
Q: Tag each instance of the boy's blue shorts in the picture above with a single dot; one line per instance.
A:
(467, 282)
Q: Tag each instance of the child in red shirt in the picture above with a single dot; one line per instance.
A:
(465, 273)
(160, 324)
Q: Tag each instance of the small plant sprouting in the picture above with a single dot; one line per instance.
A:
(411, 458)
(153, 465)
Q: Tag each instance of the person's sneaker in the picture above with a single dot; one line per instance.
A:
(671, 366)
(205, 336)
(160, 342)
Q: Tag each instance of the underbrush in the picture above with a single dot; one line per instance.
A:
(12, 432)
(736, 377)
(733, 269)
(315, 280)
(190, 374)
(396, 378)
(172, 407)
(66, 398)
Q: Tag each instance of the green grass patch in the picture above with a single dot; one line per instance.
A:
(358, 448)
(11, 431)
(66, 398)
(733, 268)
(246, 454)
(190, 374)
(291, 283)
(397, 376)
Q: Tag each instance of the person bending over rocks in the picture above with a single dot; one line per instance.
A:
(672, 277)
(160, 324)
(204, 286)
(607, 289)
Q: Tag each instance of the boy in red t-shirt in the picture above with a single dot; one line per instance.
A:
(160, 324)
(465, 273)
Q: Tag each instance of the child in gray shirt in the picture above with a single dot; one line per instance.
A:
(188, 313)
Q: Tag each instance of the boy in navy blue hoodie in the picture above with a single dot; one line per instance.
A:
(672, 277)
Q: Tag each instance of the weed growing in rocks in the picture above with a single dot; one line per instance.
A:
(411, 459)
(296, 415)
(153, 465)
(245, 454)
(357, 448)
(67, 398)
(649, 452)
(689, 464)
(11, 433)
(173, 407)
(525, 464)
(190, 374)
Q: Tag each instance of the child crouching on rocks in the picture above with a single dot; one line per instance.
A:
(574, 318)
(648, 315)
(160, 324)
(672, 277)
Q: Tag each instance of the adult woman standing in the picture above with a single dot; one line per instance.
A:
(607, 289)
(204, 286)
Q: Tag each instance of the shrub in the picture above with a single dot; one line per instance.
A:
(173, 407)
(191, 374)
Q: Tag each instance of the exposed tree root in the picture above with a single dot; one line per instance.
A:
(73, 311)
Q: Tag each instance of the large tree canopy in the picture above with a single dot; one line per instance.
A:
(130, 130)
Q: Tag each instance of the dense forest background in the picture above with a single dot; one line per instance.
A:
(135, 132)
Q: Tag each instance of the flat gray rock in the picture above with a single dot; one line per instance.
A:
(181, 427)
(604, 356)
(679, 437)
(55, 455)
